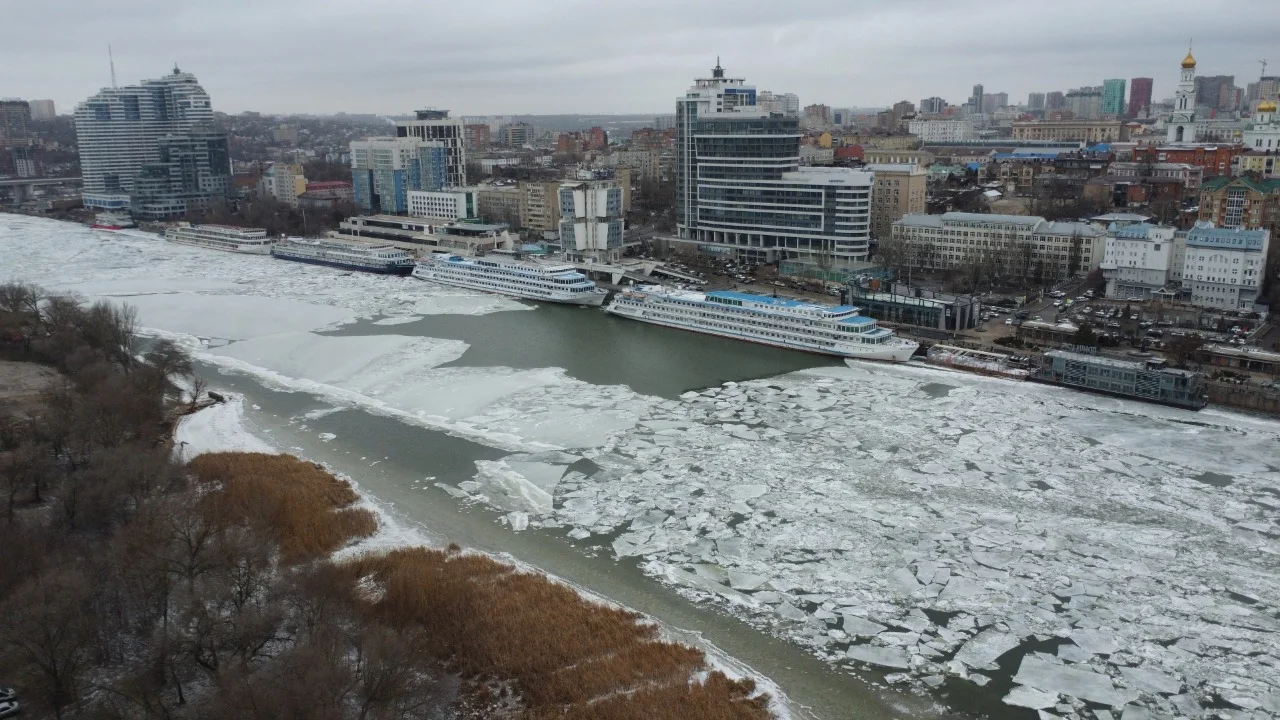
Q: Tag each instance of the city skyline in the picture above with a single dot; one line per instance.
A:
(566, 57)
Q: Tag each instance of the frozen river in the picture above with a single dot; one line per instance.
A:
(1071, 555)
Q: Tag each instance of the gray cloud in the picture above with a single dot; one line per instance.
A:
(547, 56)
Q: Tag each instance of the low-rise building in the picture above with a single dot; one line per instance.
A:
(451, 204)
(1092, 132)
(895, 156)
(941, 130)
(424, 235)
(337, 189)
(898, 190)
(1265, 165)
(1136, 261)
(1224, 267)
(1191, 176)
(1215, 160)
(816, 155)
(1016, 245)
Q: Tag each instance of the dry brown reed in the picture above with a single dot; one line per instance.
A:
(305, 508)
(569, 657)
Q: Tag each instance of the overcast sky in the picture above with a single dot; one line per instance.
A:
(616, 56)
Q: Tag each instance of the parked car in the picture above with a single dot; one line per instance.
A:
(1008, 321)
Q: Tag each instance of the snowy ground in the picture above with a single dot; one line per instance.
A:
(1118, 557)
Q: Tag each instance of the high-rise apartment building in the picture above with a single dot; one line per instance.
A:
(476, 137)
(42, 110)
(152, 148)
(1085, 103)
(15, 122)
(591, 220)
(740, 189)
(1035, 101)
(783, 103)
(1267, 88)
(436, 126)
(1055, 100)
(1139, 97)
(18, 154)
(1113, 97)
(817, 115)
(994, 101)
(515, 134)
(284, 182)
(385, 169)
(1215, 91)
(975, 99)
(540, 205)
(932, 106)
(898, 190)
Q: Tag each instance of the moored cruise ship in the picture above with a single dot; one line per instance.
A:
(384, 259)
(828, 329)
(550, 282)
(253, 241)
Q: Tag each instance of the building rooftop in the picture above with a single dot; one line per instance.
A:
(1121, 217)
(1134, 365)
(1136, 231)
(1207, 236)
(1265, 186)
(780, 302)
(828, 176)
(894, 168)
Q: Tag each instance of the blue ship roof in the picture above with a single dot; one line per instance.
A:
(779, 302)
(856, 320)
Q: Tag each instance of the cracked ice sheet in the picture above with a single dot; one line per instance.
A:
(537, 409)
(865, 492)
(135, 265)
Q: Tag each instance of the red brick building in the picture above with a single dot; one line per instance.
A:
(336, 189)
(477, 137)
(1214, 159)
(651, 139)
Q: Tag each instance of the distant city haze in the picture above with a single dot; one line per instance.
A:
(570, 56)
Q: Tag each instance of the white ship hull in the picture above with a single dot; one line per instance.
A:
(484, 284)
(893, 350)
(256, 249)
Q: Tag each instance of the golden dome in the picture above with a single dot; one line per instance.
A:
(1189, 61)
(1267, 106)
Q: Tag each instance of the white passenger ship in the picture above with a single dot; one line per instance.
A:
(828, 329)
(253, 241)
(549, 282)
(383, 259)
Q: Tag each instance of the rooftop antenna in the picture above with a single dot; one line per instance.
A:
(112, 59)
